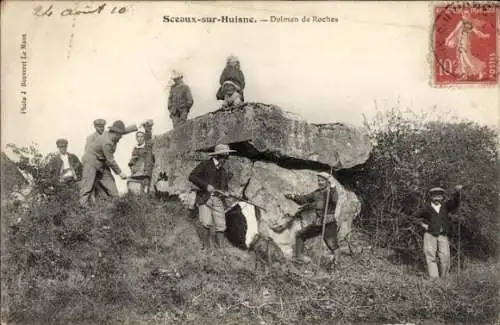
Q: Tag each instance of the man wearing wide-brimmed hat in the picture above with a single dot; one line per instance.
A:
(180, 100)
(210, 176)
(317, 200)
(437, 225)
(99, 160)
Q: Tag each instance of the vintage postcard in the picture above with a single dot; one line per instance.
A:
(257, 162)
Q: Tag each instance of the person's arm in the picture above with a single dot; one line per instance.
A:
(78, 167)
(422, 217)
(188, 97)
(242, 79)
(479, 33)
(301, 199)
(197, 176)
(110, 158)
(170, 100)
(448, 42)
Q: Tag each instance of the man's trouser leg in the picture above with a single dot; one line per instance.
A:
(107, 182)
(87, 184)
(430, 250)
(212, 215)
(302, 235)
(205, 217)
(444, 254)
(330, 239)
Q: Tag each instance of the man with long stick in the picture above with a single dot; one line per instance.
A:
(212, 179)
(323, 201)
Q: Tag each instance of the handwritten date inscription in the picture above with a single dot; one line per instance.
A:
(41, 11)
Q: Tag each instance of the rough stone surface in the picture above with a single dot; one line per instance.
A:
(270, 130)
(279, 154)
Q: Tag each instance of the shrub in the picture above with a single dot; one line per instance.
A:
(412, 154)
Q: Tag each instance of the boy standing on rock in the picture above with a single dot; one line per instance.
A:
(180, 100)
(211, 177)
(317, 200)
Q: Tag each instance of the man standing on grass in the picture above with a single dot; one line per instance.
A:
(210, 176)
(99, 160)
(437, 224)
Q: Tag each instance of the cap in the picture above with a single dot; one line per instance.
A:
(61, 142)
(99, 122)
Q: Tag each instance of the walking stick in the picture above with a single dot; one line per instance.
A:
(324, 220)
(458, 270)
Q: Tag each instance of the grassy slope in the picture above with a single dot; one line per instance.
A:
(79, 272)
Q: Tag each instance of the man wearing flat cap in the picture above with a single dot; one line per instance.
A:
(180, 100)
(64, 167)
(317, 201)
(210, 176)
(99, 126)
(99, 161)
(436, 221)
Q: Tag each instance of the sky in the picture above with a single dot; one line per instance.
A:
(117, 66)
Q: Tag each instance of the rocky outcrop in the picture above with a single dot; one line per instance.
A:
(277, 153)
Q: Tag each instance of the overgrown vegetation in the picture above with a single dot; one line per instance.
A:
(137, 261)
(132, 261)
(415, 152)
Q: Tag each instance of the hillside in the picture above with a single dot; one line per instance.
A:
(147, 269)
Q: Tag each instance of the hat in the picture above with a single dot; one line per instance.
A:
(232, 58)
(117, 127)
(221, 149)
(99, 122)
(230, 83)
(141, 130)
(177, 75)
(61, 142)
(436, 190)
(324, 175)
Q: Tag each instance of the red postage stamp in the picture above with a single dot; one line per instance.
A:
(465, 49)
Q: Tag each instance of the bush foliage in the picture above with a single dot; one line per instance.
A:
(412, 154)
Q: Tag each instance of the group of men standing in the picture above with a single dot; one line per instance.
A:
(93, 174)
(232, 84)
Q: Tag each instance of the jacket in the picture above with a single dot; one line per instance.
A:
(142, 161)
(55, 165)
(101, 153)
(317, 200)
(234, 74)
(180, 98)
(93, 136)
(207, 174)
(439, 223)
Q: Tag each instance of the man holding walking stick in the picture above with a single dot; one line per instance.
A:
(211, 177)
(323, 201)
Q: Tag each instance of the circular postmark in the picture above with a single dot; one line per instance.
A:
(451, 45)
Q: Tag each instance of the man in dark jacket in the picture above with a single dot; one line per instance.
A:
(180, 100)
(437, 223)
(64, 167)
(210, 176)
(317, 200)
